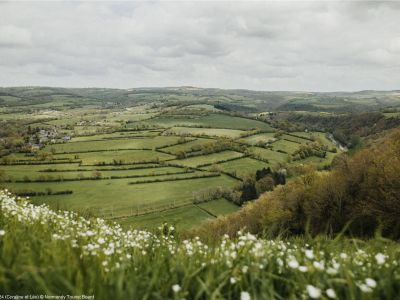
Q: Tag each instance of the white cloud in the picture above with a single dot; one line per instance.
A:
(257, 45)
(13, 36)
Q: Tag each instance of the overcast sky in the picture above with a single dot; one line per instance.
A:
(319, 46)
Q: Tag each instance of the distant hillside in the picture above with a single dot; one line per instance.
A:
(250, 100)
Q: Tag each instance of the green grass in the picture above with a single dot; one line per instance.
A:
(116, 197)
(317, 161)
(181, 217)
(47, 253)
(240, 167)
(284, 145)
(257, 138)
(219, 207)
(295, 138)
(129, 143)
(212, 120)
(115, 135)
(212, 132)
(318, 136)
(186, 146)
(206, 159)
(273, 157)
(32, 172)
(392, 114)
(126, 156)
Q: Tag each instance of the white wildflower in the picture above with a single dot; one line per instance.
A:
(365, 288)
(370, 282)
(309, 254)
(380, 258)
(331, 271)
(313, 291)
(303, 269)
(176, 288)
(331, 293)
(245, 296)
(293, 263)
(318, 265)
(233, 280)
(2, 232)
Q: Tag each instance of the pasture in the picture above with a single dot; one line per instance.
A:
(143, 165)
(240, 167)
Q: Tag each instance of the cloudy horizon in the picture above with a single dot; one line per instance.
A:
(302, 46)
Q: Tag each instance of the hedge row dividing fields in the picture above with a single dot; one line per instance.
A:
(150, 170)
(102, 177)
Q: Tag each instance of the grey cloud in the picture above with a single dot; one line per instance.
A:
(13, 36)
(258, 45)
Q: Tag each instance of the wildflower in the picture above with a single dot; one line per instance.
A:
(279, 262)
(176, 288)
(365, 288)
(101, 241)
(233, 280)
(318, 265)
(370, 282)
(303, 269)
(2, 232)
(331, 293)
(293, 263)
(245, 296)
(313, 291)
(380, 258)
(331, 271)
(245, 269)
(309, 254)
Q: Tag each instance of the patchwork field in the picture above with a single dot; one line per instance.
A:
(144, 165)
(258, 138)
(240, 167)
(209, 159)
(212, 132)
(211, 120)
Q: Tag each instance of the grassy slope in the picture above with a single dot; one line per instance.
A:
(66, 254)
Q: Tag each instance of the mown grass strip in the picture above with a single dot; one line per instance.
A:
(176, 179)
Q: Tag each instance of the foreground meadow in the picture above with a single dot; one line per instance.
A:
(47, 252)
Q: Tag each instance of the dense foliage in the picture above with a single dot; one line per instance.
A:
(360, 195)
(346, 128)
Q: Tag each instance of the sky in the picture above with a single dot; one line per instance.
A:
(274, 45)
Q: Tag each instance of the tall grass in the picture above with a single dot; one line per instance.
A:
(54, 253)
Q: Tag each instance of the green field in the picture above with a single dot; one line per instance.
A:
(182, 217)
(285, 145)
(118, 197)
(207, 159)
(186, 146)
(240, 167)
(116, 144)
(219, 207)
(212, 120)
(142, 162)
(258, 138)
(212, 132)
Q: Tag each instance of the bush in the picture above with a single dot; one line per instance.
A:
(360, 195)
